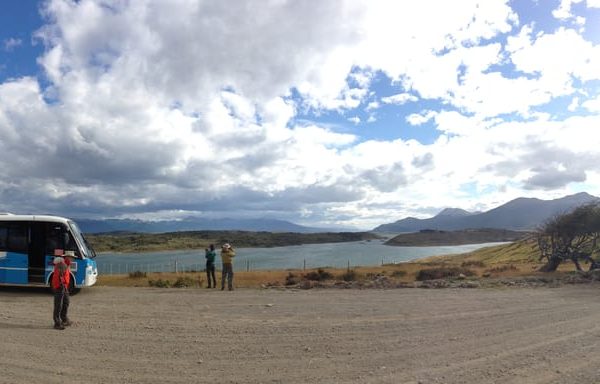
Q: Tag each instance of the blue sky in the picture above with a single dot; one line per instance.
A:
(109, 109)
(18, 21)
(386, 122)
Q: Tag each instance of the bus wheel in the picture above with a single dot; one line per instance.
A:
(72, 289)
(50, 285)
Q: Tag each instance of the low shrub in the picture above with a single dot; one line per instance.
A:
(291, 279)
(398, 273)
(137, 274)
(473, 263)
(185, 282)
(349, 276)
(318, 275)
(502, 268)
(159, 283)
(442, 273)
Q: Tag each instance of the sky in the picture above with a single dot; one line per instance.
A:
(324, 113)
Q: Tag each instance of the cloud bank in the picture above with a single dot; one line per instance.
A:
(157, 109)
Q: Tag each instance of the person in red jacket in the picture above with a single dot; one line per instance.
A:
(61, 279)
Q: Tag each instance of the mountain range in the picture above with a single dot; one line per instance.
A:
(194, 224)
(519, 214)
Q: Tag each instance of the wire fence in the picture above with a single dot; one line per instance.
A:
(172, 266)
(125, 268)
(178, 266)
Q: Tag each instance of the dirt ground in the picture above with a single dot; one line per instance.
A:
(152, 335)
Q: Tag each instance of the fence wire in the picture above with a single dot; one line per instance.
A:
(180, 267)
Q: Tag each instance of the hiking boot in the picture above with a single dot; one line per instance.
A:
(67, 323)
(59, 326)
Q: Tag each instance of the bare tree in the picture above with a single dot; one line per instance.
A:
(571, 237)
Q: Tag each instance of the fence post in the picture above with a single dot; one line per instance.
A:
(348, 265)
(304, 268)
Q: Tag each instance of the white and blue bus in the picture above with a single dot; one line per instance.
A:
(28, 244)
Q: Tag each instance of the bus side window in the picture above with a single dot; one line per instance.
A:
(3, 237)
(70, 243)
(54, 238)
(17, 238)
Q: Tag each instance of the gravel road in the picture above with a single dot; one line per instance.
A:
(151, 335)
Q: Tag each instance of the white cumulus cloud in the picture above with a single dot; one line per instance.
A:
(181, 107)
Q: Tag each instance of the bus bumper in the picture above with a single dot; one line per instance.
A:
(91, 275)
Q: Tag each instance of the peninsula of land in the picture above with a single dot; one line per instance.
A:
(151, 242)
(432, 238)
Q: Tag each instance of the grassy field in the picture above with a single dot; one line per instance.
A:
(520, 252)
(256, 279)
(509, 260)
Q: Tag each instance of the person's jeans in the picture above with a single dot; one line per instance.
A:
(227, 273)
(61, 306)
(210, 273)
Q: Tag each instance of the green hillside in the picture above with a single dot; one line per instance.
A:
(520, 252)
(149, 242)
(429, 237)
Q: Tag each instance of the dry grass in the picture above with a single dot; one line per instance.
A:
(401, 273)
(242, 279)
(521, 252)
(405, 272)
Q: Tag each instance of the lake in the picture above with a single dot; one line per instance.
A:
(338, 255)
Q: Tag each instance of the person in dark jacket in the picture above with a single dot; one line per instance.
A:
(61, 280)
(210, 256)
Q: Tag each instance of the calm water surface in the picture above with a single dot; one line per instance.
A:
(363, 253)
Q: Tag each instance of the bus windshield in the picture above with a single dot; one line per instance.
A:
(86, 248)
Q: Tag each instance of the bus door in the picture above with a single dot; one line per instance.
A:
(37, 253)
(45, 239)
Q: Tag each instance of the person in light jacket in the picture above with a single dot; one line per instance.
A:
(227, 255)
